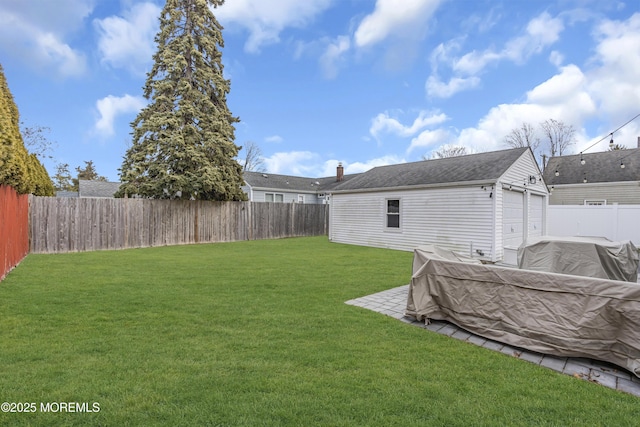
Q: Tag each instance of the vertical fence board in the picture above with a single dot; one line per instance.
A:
(14, 228)
(87, 224)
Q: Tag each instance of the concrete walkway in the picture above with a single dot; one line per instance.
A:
(393, 302)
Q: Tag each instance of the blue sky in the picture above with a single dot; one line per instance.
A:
(317, 82)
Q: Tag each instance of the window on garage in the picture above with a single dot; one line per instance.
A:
(393, 213)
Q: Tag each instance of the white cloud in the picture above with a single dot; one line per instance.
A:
(563, 97)
(474, 62)
(560, 88)
(615, 80)
(384, 123)
(297, 163)
(604, 94)
(393, 18)
(439, 89)
(52, 51)
(430, 138)
(112, 106)
(556, 58)
(541, 32)
(308, 164)
(59, 17)
(36, 33)
(444, 53)
(265, 20)
(329, 167)
(359, 167)
(127, 41)
(333, 56)
(274, 138)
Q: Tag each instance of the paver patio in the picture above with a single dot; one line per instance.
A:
(393, 302)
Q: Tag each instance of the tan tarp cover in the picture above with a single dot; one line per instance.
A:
(549, 313)
(581, 256)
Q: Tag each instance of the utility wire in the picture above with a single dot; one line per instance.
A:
(610, 134)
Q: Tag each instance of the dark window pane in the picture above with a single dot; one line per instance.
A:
(393, 206)
(393, 221)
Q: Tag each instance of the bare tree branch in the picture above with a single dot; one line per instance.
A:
(448, 151)
(524, 136)
(36, 142)
(253, 159)
(559, 136)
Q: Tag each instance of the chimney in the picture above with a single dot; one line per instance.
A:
(639, 142)
(339, 172)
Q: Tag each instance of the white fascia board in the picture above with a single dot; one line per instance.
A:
(417, 187)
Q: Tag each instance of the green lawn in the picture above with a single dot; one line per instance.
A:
(257, 333)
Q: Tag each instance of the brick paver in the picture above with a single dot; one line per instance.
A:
(393, 302)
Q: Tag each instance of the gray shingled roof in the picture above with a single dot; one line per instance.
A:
(598, 167)
(97, 188)
(292, 183)
(473, 167)
(61, 193)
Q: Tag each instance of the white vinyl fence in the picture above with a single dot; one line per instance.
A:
(615, 222)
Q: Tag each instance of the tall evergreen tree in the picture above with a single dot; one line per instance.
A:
(18, 169)
(183, 140)
(88, 173)
(62, 178)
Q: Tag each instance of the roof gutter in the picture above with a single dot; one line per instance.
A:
(418, 187)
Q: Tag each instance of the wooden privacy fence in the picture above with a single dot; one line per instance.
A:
(88, 224)
(14, 228)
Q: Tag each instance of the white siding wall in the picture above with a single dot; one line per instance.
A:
(624, 193)
(535, 198)
(498, 252)
(455, 218)
(289, 197)
(518, 174)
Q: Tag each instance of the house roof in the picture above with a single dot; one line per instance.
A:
(598, 167)
(473, 167)
(61, 193)
(97, 188)
(292, 183)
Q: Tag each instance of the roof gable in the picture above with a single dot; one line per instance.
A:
(598, 167)
(473, 167)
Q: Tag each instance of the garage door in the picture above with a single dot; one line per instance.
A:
(535, 215)
(512, 218)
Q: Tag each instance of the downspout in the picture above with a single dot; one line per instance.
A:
(494, 238)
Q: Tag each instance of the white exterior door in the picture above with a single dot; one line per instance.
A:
(512, 218)
(536, 215)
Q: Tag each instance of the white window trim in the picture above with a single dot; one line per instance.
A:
(386, 213)
(595, 202)
(301, 198)
(274, 197)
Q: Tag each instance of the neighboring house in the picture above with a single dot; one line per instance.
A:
(611, 177)
(267, 187)
(61, 193)
(97, 188)
(483, 204)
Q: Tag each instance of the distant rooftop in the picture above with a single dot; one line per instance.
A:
(293, 183)
(598, 167)
(97, 188)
